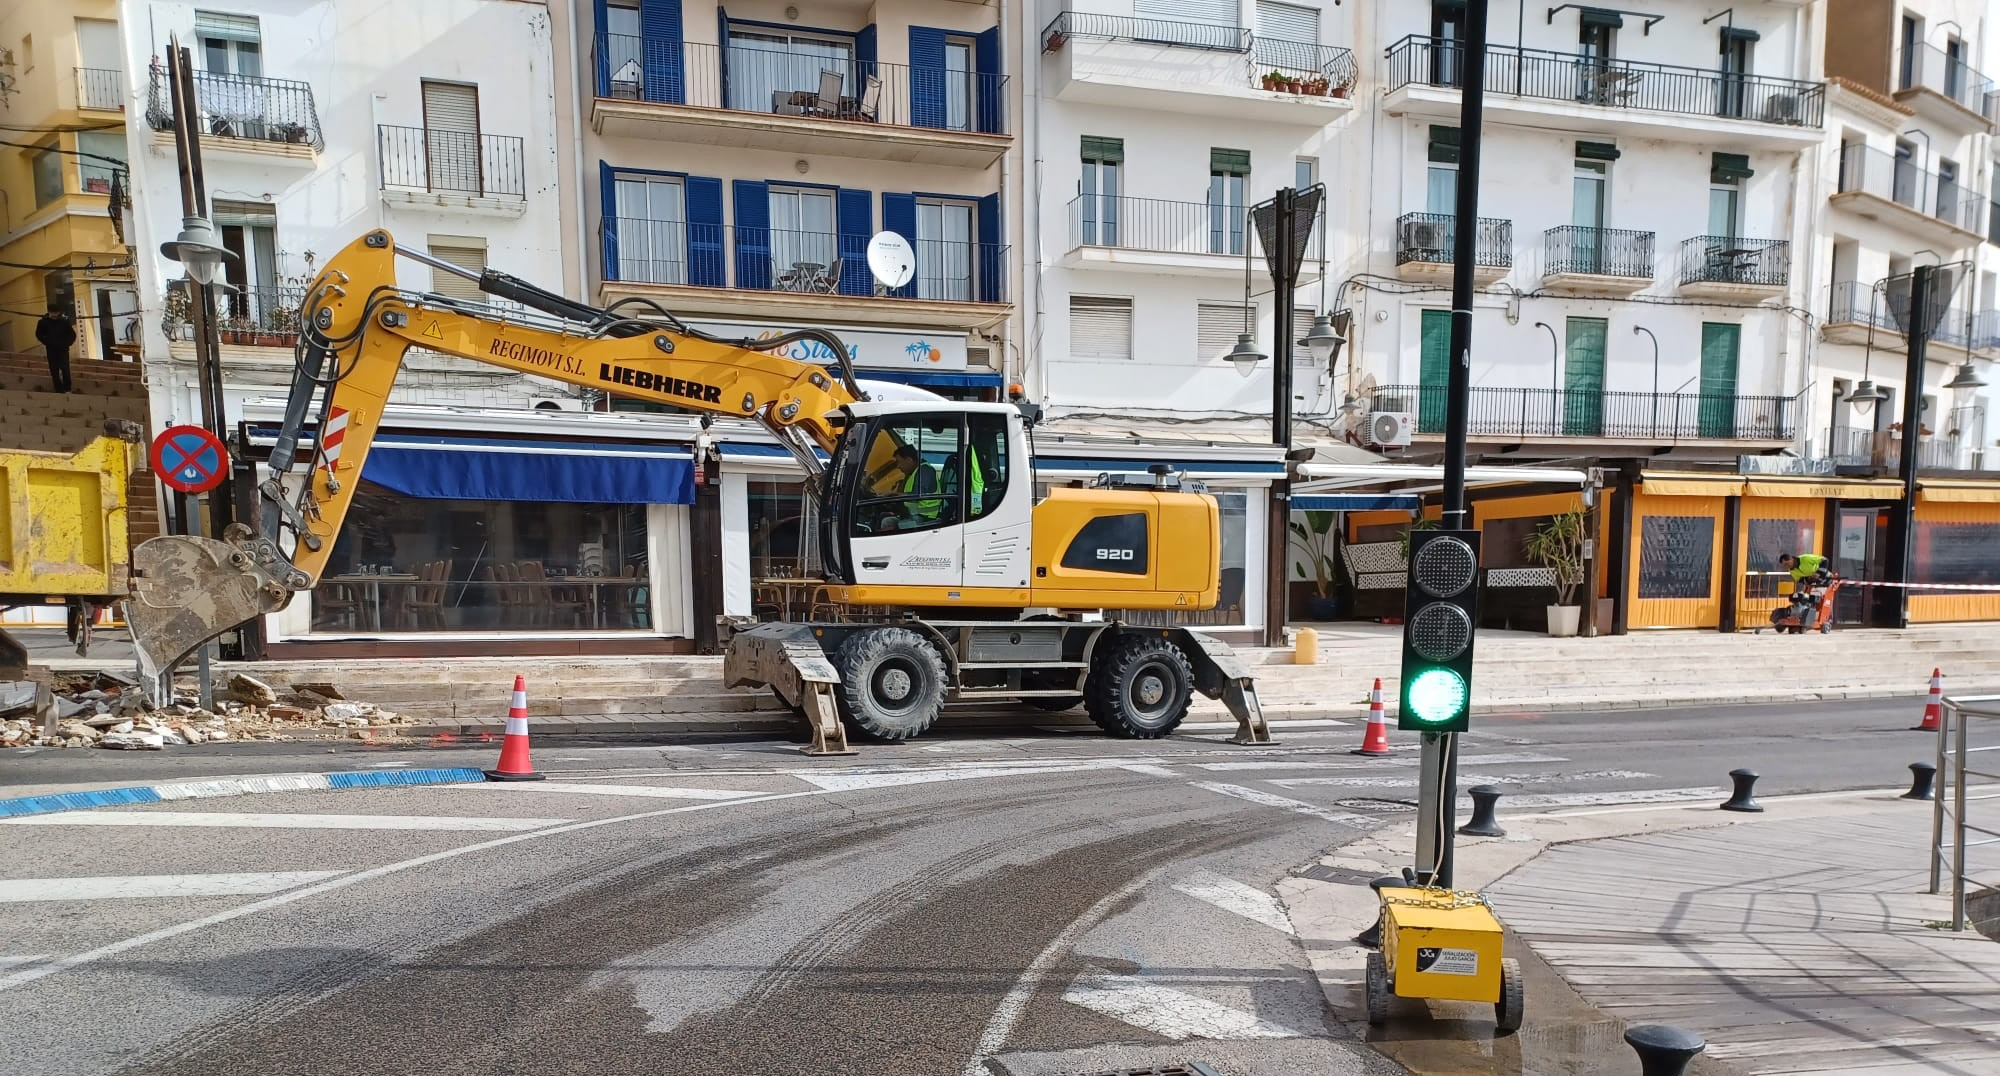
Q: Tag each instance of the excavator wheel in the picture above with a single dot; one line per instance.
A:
(892, 683)
(1139, 688)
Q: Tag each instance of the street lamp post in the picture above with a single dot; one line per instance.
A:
(1636, 330)
(1555, 379)
(1278, 228)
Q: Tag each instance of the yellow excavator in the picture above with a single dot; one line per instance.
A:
(927, 507)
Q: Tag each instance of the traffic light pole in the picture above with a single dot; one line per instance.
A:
(1438, 791)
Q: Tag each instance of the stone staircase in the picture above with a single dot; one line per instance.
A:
(1515, 672)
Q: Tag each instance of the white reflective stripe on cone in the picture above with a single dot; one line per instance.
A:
(517, 726)
(520, 700)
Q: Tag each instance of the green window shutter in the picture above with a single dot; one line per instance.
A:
(1591, 16)
(1719, 347)
(1444, 144)
(1583, 377)
(1433, 370)
(1596, 151)
(1738, 33)
(1729, 167)
(1234, 162)
(1105, 150)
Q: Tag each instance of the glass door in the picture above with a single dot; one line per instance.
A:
(944, 251)
(1587, 192)
(652, 230)
(1860, 536)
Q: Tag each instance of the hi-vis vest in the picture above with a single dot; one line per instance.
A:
(928, 508)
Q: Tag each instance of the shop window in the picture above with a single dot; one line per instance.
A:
(1770, 539)
(48, 166)
(784, 529)
(1230, 603)
(406, 564)
(1961, 553)
(1676, 556)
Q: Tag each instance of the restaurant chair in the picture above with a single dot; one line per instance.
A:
(423, 608)
(336, 606)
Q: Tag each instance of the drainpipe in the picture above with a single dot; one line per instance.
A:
(1032, 358)
(1006, 185)
(581, 265)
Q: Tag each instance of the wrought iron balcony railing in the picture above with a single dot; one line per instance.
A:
(1097, 220)
(1633, 85)
(1089, 26)
(1641, 416)
(100, 88)
(642, 250)
(248, 107)
(1725, 259)
(460, 162)
(1431, 239)
(1616, 252)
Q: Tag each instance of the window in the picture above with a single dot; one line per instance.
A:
(1676, 556)
(1913, 37)
(1103, 160)
(986, 466)
(1433, 369)
(100, 82)
(1957, 552)
(1734, 85)
(1583, 377)
(1948, 194)
(451, 136)
(802, 233)
(1904, 188)
(96, 152)
(1596, 34)
(624, 50)
(784, 530)
(1217, 325)
(770, 68)
(1305, 173)
(1100, 328)
(466, 251)
(1720, 344)
(1448, 30)
(1287, 38)
(944, 250)
(1441, 181)
(958, 96)
(48, 174)
(652, 228)
(903, 485)
(1228, 176)
(1725, 206)
(230, 44)
(59, 290)
(1589, 188)
(1954, 68)
(250, 231)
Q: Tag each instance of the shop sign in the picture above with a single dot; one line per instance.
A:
(1784, 465)
(877, 349)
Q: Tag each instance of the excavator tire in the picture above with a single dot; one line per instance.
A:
(892, 683)
(1139, 689)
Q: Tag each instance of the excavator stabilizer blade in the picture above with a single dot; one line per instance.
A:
(186, 591)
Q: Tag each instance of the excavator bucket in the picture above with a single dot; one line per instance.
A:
(187, 590)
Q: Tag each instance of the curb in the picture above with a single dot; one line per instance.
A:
(231, 786)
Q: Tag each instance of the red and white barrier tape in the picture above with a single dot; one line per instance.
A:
(1984, 588)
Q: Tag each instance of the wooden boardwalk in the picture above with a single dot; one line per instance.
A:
(1801, 946)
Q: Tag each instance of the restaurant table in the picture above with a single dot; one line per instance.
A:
(371, 586)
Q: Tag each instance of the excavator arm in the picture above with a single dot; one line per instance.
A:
(356, 327)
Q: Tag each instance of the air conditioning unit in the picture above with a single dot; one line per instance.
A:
(555, 403)
(1425, 235)
(1782, 108)
(1389, 429)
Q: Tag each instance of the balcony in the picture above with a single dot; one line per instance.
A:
(1731, 267)
(776, 273)
(1425, 243)
(1604, 261)
(1881, 451)
(1944, 89)
(1225, 72)
(243, 113)
(427, 168)
(1856, 309)
(1883, 187)
(100, 89)
(1656, 418)
(699, 94)
(1535, 88)
(1148, 235)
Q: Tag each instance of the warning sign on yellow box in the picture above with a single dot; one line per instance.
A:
(1441, 945)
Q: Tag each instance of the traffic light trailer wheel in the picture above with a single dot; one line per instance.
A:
(1139, 688)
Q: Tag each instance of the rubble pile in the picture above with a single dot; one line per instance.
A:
(111, 711)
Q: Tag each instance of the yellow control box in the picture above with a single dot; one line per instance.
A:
(1442, 945)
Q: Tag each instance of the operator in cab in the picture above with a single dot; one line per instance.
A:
(899, 488)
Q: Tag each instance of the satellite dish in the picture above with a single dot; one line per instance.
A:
(891, 259)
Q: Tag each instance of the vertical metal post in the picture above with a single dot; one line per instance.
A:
(1902, 530)
(194, 203)
(1943, 775)
(1958, 828)
(1283, 282)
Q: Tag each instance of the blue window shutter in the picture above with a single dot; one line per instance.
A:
(899, 215)
(864, 53)
(990, 107)
(990, 247)
(856, 222)
(722, 53)
(607, 216)
(603, 52)
(926, 77)
(704, 214)
(660, 22)
(753, 234)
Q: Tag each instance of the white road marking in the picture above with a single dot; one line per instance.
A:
(1278, 725)
(1008, 1013)
(18, 890)
(1168, 1012)
(7, 961)
(387, 765)
(1466, 776)
(1237, 898)
(246, 820)
(1605, 799)
(1336, 761)
(655, 791)
(1268, 799)
(1150, 771)
(848, 782)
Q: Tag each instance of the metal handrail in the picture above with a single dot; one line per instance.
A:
(1949, 798)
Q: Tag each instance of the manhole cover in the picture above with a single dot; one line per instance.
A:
(1376, 805)
(1320, 872)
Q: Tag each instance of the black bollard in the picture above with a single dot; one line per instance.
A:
(1372, 937)
(1921, 776)
(1482, 824)
(1741, 799)
(1663, 1050)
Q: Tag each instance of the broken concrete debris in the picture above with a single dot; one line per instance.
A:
(110, 711)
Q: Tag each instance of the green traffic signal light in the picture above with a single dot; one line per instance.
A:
(1437, 696)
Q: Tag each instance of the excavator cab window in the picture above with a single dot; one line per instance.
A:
(912, 477)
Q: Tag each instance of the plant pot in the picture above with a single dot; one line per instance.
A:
(1322, 607)
(1340, 91)
(1563, 620)
(1266, 82)
(1053, 44)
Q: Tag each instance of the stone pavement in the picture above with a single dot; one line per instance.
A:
(1796, 941)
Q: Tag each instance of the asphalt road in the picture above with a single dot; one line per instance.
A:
(1034, 904)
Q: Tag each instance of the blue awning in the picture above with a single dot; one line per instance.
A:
(439, 468)
(1354, 502)
(930, 379)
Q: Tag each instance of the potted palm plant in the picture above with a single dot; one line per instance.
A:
(1317, 542)
(1558, 546)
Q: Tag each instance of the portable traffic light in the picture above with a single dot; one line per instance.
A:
(1441, 609)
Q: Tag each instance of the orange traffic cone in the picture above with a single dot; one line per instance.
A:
(514, 764)
(1376, 742)
(1933, 706)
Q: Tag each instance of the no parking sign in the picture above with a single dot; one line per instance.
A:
(189, 459)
